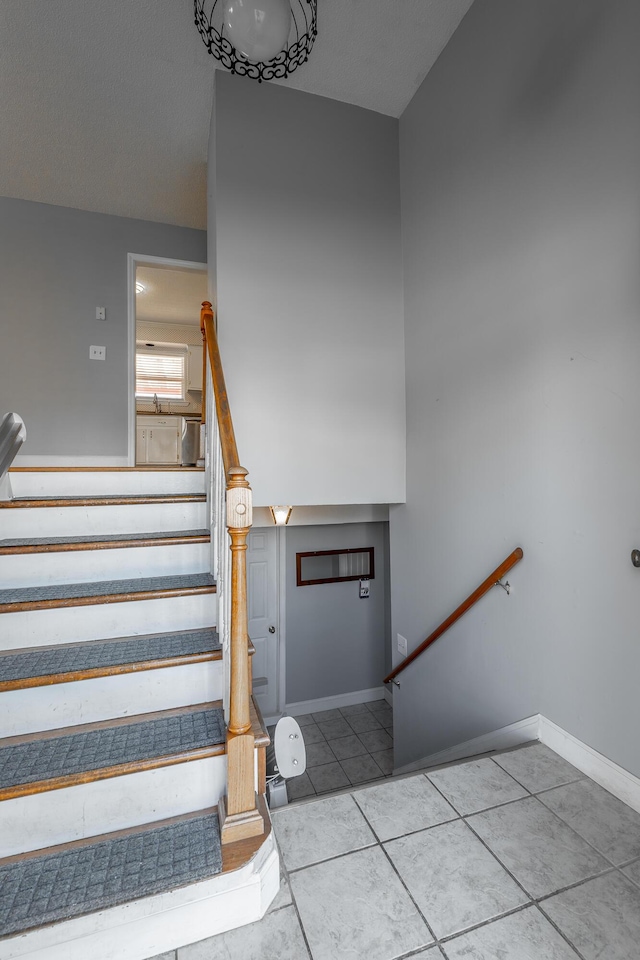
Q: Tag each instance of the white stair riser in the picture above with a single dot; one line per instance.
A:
(32, 628)
(89, 809)
(81, 483)
(112, 519)
(105, 698)
(87, 566)
(153, 925)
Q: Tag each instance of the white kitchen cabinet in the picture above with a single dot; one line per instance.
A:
(194, 368)
(158, 439)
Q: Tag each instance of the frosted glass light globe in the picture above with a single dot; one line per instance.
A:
(258, 29)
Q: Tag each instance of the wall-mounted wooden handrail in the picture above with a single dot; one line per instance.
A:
(485, 586)
(239, 812)
(225, 423)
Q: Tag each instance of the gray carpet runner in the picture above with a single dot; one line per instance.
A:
(101, 538)
(74, 591)
(106, 653)
(61, 885)
(79, 752)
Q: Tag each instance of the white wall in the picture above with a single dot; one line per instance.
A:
(520, 165)
(56, 266)
(307, 230)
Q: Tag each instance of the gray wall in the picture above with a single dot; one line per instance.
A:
(520, 175)
(309, 287)
(335, 641)
(56, 266)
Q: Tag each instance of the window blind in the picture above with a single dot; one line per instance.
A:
(160, 373)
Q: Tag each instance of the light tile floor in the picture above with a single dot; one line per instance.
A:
(517, 857)
(345, 747)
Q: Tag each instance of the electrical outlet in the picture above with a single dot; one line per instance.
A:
(402, 644)
(101, 313)
(97, 353)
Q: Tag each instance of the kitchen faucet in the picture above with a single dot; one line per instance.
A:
(156, 403)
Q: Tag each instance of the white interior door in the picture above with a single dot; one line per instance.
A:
(262, 589)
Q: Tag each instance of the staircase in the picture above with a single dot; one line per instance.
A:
(114, 752)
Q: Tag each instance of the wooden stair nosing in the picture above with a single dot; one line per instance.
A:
(142, 468)
(160, 594)
(235, 855)
(15, 791)
(108, 773)
(101, 837)
(92, 673)
(261, 740)
(133, 666)
(123, 543)
(102, 724)
(105, 500)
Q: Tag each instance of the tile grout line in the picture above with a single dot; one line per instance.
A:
(438, 941)
(395, 870)
(532, 901)
(368, 753)
(535, 901)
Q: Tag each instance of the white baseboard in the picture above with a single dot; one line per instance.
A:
(331, 703)
(512, 735)
(34, 460)
(614, 778)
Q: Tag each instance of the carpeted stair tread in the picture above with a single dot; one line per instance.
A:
(90, 877)
(34, 760)
(101, 538)
(74, 591)
(76, 658)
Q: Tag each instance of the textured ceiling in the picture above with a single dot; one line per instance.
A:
(170, 295)
(105, 106)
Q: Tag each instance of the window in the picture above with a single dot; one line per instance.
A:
(160, 370)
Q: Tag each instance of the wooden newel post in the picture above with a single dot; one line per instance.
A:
(238, 811)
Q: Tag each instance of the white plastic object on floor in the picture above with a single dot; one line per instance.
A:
(291, 754)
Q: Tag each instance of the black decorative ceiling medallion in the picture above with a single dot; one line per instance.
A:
(209, 19)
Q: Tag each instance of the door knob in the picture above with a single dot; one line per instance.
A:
(272, 629)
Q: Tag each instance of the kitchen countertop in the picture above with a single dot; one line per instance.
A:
(165, 413)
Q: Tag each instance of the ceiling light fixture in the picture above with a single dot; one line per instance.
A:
(281, 515)
(259, 39)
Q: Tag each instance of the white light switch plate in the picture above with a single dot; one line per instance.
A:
(402, 644)
(101, 313)
(97, 353)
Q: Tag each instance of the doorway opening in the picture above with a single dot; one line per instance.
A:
(165, 360)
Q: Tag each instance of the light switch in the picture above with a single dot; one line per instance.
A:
(97, 353)
(101, 313)
(402, 645)
(364, 589)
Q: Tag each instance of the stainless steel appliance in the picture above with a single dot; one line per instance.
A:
(190, 441)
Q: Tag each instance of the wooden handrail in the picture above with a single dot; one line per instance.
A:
(473, 598)
(225, 423)
(238, 811)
